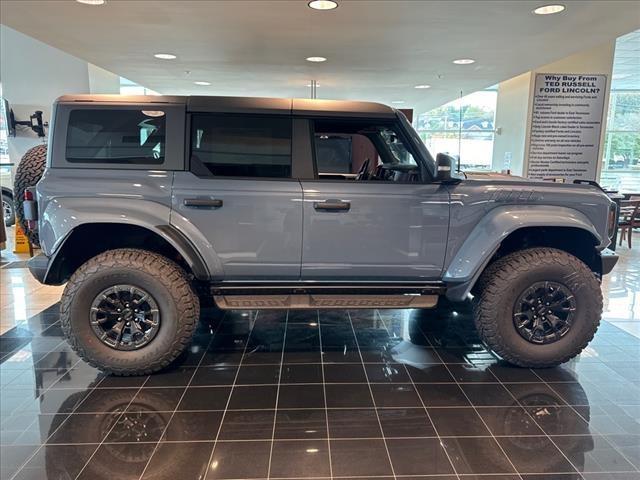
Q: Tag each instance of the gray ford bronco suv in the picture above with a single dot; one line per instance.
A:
(148, 206)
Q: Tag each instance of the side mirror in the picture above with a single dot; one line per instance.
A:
(444, 164)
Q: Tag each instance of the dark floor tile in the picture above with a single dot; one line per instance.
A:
(221, 358)
(300, 424)
(130, 427)
(348, 396)
(442, 395)
(359, 458)
(61, 401)
(507, 373)
(240, 460)
(592, 453)
(69, 460)
(574, 393)
(105, 400)
(300, 459)
(467, 373)
(171, 377)
(253, 397)
(395, 395)
(405, 422)
(457, 422)
(547, 458)
(302, 356)
(216, 375)
(193, 426)
(418, 456)
(477, 456)
(562, 373)
(155, 399)
(84, 428)
(387, 373)
(558, 420)
(523, 392)
(111, 381)
(488, 395)
(348, 373)
(247, 425)
(509, 421)
(309, 373)
(119, 460)
(184, 461)
(353, 423)
(258, 375)
(346, 354)
(204, 398)
(301, 396)
(430, 373)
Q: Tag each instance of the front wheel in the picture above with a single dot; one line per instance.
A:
(129, 311)
(538, 307)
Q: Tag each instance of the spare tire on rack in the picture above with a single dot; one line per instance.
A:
(28, 173)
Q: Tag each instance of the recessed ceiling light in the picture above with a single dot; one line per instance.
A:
(323, 4)
(165, 56)
(91, 2)
(200, 82)
(316, 59)
(464, 61)
(398, 102)
(422, 86)
(549, 9)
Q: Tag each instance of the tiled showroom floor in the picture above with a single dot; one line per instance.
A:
(330, 394)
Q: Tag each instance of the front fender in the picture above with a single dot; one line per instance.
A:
(484, 240)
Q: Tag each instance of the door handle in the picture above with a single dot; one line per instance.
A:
(202, 202)
(332, 205)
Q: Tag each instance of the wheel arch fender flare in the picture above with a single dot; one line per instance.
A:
(66, 218)
(485, 239)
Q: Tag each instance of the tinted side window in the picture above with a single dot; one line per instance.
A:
(362, 151)
(241, 146)
(116, 136)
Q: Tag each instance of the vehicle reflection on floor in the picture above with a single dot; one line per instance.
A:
(330, 394)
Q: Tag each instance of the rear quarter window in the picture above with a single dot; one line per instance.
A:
(103, 136)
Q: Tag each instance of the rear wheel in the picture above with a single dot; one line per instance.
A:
(129, 311)
(538, 307)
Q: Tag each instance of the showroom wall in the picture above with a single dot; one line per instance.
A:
(515, 98)
(33, 74)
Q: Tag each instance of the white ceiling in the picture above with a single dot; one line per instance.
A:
(376, 50)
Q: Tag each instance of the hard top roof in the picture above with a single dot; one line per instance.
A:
(284, 106)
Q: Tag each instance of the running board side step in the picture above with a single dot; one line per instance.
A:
(305, 301)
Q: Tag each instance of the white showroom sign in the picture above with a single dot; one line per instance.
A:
(566, 121)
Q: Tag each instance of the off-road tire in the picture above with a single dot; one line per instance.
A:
(28, 173)
(505, 281)
(163, 279)
(8, 200)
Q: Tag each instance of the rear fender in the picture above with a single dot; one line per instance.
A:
(63, 215)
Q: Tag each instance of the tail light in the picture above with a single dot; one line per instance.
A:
(612, 220)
